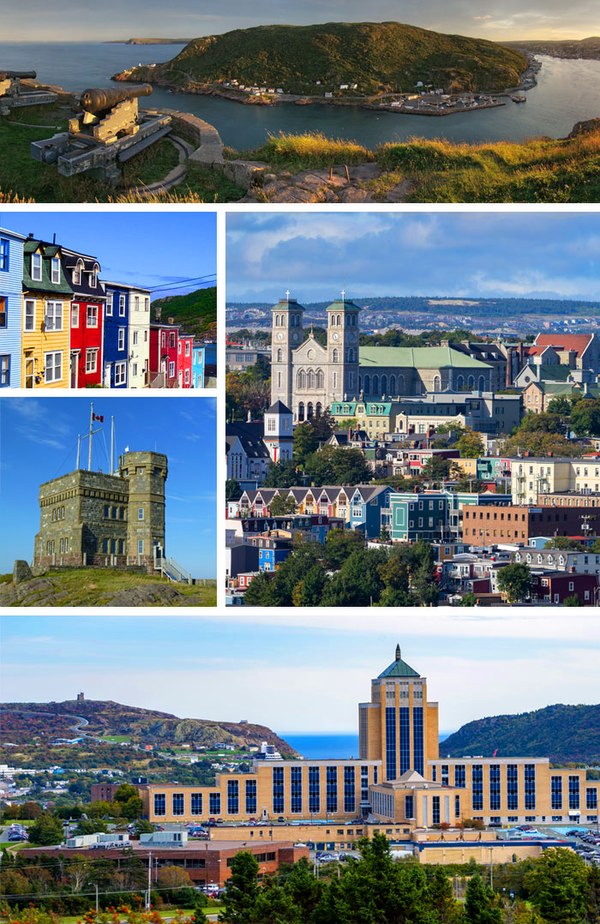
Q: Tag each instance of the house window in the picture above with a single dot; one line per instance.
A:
(121, 339)
(140, 513)
(55, 270)
(91, 360)
(3, 312)
(4, 255)
(36, 267)
(109, 304)
(53, 316)
(94, 277)
(121, 306)
(53, 367)
(29, 314)
(171, 340)
(77, 273)
(92, 316)
(120, 373)
(179, 348)
(171, 370)
(187, 347)
(140, 546)
(135, 338)
(187, 376)
(4, 370)
(146, 304)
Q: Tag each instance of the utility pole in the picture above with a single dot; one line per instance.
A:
(147, 905)
(97, 901)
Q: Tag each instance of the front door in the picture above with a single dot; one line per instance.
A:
(74, 368)
(29, 372)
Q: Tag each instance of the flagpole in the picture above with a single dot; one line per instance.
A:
(78, 451)
(90, 437)
(112, 445)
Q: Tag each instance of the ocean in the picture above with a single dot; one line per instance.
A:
(328, 744)
(567, 92)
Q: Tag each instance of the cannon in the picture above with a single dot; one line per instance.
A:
(18, 75)
(97, 101)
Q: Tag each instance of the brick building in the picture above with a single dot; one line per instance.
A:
(492, 524)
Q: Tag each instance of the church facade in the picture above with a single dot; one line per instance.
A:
(308, 377)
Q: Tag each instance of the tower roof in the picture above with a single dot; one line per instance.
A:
(398, 668)
(278, 407)
(339, 304)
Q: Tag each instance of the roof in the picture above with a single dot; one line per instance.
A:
(577, 342)
(341, 304)
(278, 407)
(284, 303)
(45, 284)
(418, 358)
(250, 436)
(398, 668)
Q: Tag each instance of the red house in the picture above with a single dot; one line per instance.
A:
(164, 355)
(184, 360)
(87, 318)
(553, 587)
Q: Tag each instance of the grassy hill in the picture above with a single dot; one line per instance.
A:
(106, 719)
(196, 311)
(565, 734)
(375, 56)
(103, 587)
(567, 48)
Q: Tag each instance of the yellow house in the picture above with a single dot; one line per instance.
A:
(46, 317)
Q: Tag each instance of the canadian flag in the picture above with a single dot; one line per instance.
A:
(99, 417)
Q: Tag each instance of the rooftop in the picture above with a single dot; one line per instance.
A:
(398, 668)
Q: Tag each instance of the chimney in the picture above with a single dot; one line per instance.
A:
(171, 320)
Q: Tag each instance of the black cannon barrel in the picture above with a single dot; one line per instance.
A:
(29, 75)
(99, 100)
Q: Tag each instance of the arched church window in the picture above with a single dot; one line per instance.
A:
(335, 357)
(301, 411)
(320, 378)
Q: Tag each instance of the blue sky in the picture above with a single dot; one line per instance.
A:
(302, 672)
(461, 254)
(149, 249)
(113, 19)
(38, 442)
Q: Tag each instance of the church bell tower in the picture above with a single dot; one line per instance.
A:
(286, 335)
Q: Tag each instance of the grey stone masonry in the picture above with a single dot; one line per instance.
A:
(91, 518)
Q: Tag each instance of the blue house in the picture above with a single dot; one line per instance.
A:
(204, 363)
(11, 307)
(370, 509)
(419, 516)
(116, 336)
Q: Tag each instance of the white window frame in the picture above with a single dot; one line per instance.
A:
(55, 270)
(36, 268)
(121, 338)
(121, 306)
(53, 316)
(75, 314)
(121, 373)
(91, 354)
(135, 337)
(186, 378)
(94, 316)
(53, 377)
(171, 369)
(187, 347)
(32, 302)
(109, 304)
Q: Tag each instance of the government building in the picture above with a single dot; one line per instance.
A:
(398, 779)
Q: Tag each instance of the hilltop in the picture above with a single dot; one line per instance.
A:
(588, 48)
(367, 57)
(565, 734)
(21, 722)
(196, 311)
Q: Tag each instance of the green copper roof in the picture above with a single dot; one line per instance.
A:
(398, 668)
(418, 358)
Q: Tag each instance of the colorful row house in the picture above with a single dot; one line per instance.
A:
(11, 275)
(87, 318)
(47, 296)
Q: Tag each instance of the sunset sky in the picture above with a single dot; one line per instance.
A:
(80, 20)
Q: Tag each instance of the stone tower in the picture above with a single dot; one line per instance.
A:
(342, 350)
(286, 335)
(399, 727)
(145, 474)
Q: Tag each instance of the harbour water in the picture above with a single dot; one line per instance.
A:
(332, 745)
(568, 91)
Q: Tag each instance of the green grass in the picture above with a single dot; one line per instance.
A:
(152, 165)
(6, 578)
(311, 150)
(98, 587)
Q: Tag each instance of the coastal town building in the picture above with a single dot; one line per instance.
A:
(47, 295)
(86, 318)
(399, 778)
(11, 301)
(532, 477)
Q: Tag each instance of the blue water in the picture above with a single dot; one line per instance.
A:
(567, 92)
(340, 747)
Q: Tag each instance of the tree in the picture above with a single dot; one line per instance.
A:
(306, 441)
(309, 591)
(233, 490)
(565, 544)
(571, 600)
(436, 469)
(442, 896)
(46, 830)
(336, 466)
(585, 417)
(481, 905)
(470, 444)
(241, 889)
(128, 800)
(558, 886)
(247, 392)
(281, 475)
(178, 885)
(515, 581)
(282, 506)
(339, 545)
(260, 591)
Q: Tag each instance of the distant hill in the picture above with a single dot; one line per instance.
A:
(21, 722)
(317, 58)
(565, 734)
(568, 48)
(196, 311)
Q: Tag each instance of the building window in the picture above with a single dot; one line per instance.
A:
(349, 790)
(529, 786)
(53, 316)
(233, 797)
(178, 803)
(109, 304)
(278, 793)
(121, 339)
(314, 790)
(4, 255)
(460, 776)
(494, 787)
(556, 793)
(390, 743)
(331, 789)
(29, 314)
(409, 807)
(55, 270)
(435, 810)
(418, 739)
(512, 787)
(296, 789)
(36, 267)
(477, 787)
(591, 798)
(134, 339)
(4, 370)
(140, 513)
(92, 316)
(573, 792)
(3, 312)
(160, 804)
(196, 803)
(187, 377)
(121, 306)
(214, 803)
(91, 360)
(250, 797)
(140, 546)
(120, 373)
(52, 367)
(74, 315)
(171, 370)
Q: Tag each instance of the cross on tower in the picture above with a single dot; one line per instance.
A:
(287, 294)
(343, 295)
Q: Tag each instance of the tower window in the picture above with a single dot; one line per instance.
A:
(140, 513)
